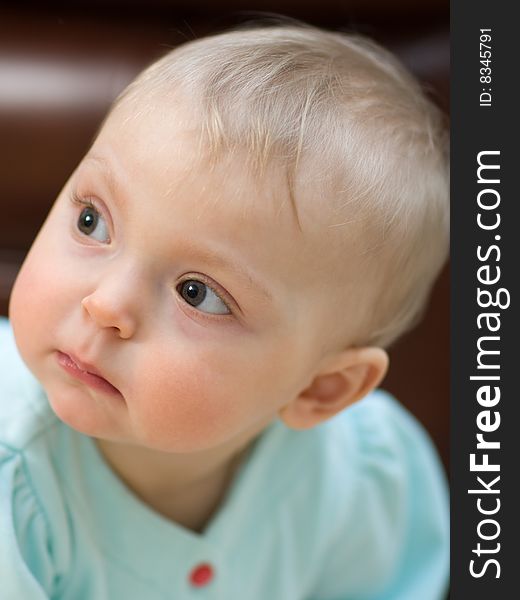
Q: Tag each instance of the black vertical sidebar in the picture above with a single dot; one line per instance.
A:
(485, 257)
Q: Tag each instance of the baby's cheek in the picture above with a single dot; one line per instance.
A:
(181, 408)
(27, 308)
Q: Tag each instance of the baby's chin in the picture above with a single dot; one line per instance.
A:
(84, 412)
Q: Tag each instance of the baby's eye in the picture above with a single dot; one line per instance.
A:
(201, 296)
(91, 223)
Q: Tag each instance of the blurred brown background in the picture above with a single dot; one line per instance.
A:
(61, 64)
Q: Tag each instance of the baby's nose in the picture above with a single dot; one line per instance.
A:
(113, 306)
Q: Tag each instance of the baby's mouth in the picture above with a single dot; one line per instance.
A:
(86, 373)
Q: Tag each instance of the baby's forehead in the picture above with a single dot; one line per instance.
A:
(167, 143)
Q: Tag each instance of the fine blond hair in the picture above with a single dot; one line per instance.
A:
(342, 108)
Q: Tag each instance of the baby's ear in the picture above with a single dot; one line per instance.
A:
(345, 379)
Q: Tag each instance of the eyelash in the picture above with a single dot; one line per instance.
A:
(87, 202)
(81, 201)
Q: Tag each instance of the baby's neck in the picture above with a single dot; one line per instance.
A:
(181, 488)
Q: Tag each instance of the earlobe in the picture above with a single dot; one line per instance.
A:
(350, 376)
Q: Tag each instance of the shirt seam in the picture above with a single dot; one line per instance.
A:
(39, 504)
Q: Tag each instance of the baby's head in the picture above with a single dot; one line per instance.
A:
(261, 214)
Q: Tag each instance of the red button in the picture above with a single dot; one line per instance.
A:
(201, 575)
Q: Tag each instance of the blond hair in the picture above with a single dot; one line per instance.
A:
(345, 106)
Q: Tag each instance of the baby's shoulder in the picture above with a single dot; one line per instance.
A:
(375, 446)
(380, 438)
(385, 501)
(374, 449)
(24, 410)
(29, 488)
(379, 423)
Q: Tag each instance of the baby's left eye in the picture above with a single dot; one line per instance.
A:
(92, 223)
(201, 296)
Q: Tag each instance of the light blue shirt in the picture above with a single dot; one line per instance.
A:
(353, 509)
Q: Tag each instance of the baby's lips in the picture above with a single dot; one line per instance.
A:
(85, 367)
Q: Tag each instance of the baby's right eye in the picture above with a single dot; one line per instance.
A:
(200, 295)
(91, 222)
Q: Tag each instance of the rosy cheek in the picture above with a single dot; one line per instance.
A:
(170, 405)
(180, 406)
(23, 309)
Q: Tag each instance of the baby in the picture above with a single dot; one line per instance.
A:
(261, 214)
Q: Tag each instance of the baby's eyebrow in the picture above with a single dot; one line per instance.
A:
(227, 263)
(107, 171)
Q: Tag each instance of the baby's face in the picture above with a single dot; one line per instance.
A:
(190, 289)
